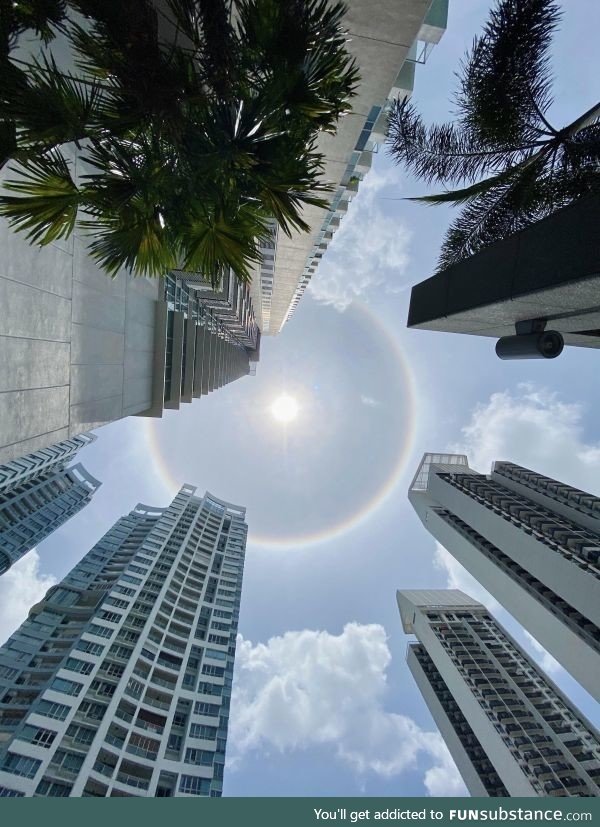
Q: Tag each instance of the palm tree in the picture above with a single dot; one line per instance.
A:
(512, 165)
(193, 132)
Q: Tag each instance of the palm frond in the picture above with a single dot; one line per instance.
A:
(133, 241)
(505, 80)
(442, 152)
(495, 214)
(214, 240)
(44, 17)
(47, 208)
(466, 194)
(53, 107)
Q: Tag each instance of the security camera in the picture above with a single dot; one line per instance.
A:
(545, 345)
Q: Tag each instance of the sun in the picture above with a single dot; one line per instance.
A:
(284, 408)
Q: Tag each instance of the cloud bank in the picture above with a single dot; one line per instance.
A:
(20, 588)
(311, 688)
(369, 251)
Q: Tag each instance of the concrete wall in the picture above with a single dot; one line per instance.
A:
(75, 346)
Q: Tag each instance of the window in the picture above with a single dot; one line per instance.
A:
(53, 710)
(117, 602)
(121, 652)
(100, 631)
(114, 670)
(92, 710)
(89, 647)
(179, 719)
(6, 792)
(203, 708)
(216, 671)
(68, 687)
(203, 731)
(124, 590)
(81, 734)
(213, 653)
(199, 756)
(103, 688)
(38, 736)
(209, 688)
(76, 665)
(219, 639)
(68, 761)
(20, 765)
(194, 786)
(53, 789)
(112, 617)
(129, 579)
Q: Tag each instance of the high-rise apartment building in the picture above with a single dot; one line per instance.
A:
(388, 40)
(38, 493)
(532, 542)
(81, 350)
(119, 681)
(508, 727)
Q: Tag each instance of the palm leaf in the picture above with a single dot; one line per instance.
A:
(505, 80)
(443, 152)
(47, 208)
(214, 240)
(135, 242)
(52, 108)
(496, 213)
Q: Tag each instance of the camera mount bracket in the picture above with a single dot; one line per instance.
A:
(529, 326)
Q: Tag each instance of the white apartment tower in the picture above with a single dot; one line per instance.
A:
(509, 729)
(119, 681)
(532, 542)
(38, 493)
(388, 39)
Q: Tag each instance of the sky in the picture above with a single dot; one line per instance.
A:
(323, 701)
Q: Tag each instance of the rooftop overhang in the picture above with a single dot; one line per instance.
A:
(420, 480)
(549, 271)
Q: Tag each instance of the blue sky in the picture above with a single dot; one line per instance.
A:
(324, 704)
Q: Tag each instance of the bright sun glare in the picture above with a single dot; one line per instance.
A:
(284, 408)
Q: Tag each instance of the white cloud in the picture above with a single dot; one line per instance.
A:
(20, 588)
(522, 427)
(369, 251)
(369, 401)
(309, 688)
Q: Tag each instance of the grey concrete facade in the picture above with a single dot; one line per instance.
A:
(77, 347)
(510, 730)
(532, 542)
